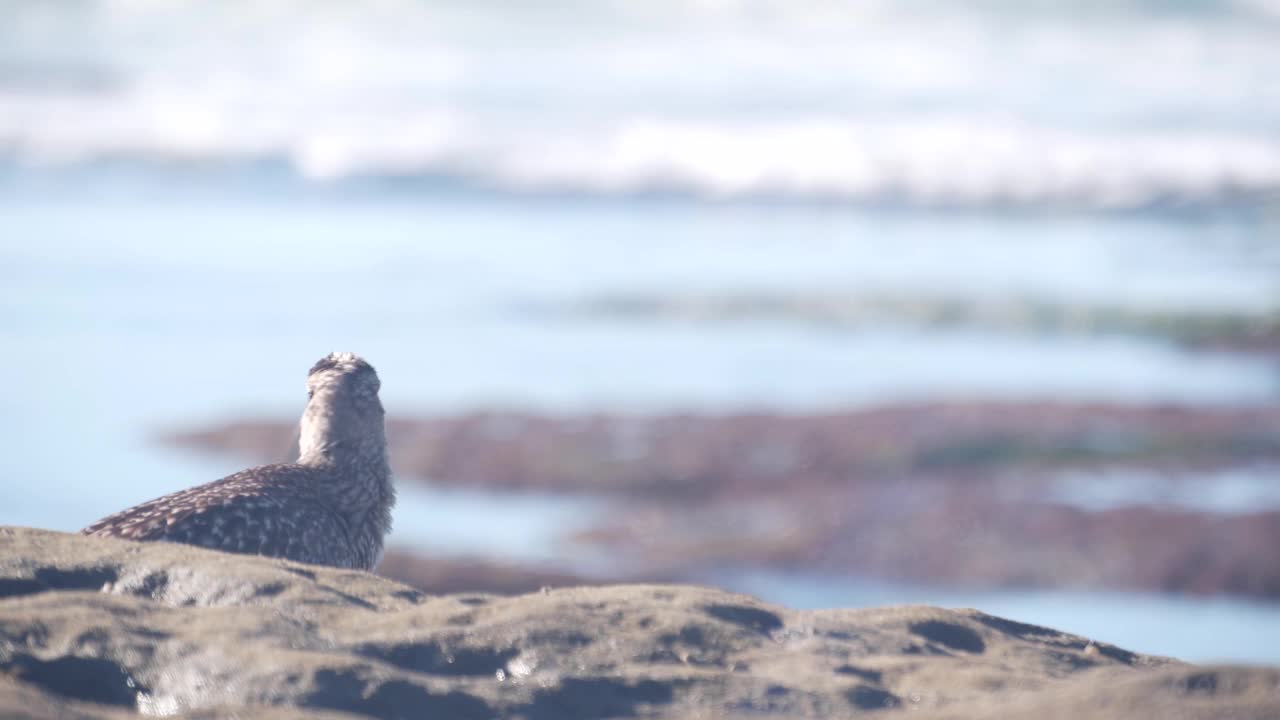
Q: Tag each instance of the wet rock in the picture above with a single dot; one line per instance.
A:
(707, 457)
(942, 493)
(260, 637)
(1242, 331)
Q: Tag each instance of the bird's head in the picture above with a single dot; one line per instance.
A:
(343, 411)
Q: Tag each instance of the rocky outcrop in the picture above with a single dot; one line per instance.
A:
(103, 628)
(962, 494)
(691, 456)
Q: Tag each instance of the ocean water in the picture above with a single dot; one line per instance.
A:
(924, 102)
(198, 198)
(1237, 490)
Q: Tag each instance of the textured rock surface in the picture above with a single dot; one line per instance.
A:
(103, 628)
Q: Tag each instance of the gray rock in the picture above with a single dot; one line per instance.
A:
(103, 628)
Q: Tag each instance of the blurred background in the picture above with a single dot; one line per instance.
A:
(837, 303)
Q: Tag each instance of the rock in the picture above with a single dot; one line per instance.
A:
(963, 494)
(1241, 331)
(440, 574)
(1190, 692)
(693, 457)
(103, 628)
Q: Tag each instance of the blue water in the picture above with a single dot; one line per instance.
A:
(1236, 490)
(525, 527)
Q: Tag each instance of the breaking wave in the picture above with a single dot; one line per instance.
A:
(974, 104)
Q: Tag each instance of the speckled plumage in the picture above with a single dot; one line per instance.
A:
(331, 507)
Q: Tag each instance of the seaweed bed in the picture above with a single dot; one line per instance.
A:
(946, 493)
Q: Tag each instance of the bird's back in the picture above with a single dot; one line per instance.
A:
(271, 510)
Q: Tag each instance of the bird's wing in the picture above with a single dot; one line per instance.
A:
(245, 513)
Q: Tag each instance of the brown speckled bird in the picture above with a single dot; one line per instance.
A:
(331, 507)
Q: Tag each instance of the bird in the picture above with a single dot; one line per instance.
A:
(332, 506)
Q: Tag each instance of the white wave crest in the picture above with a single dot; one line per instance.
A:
(957, 161)
(1043, 102)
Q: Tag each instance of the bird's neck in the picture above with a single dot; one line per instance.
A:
(362, 475)
(336, 433)
(367, 453)
(357, 468)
